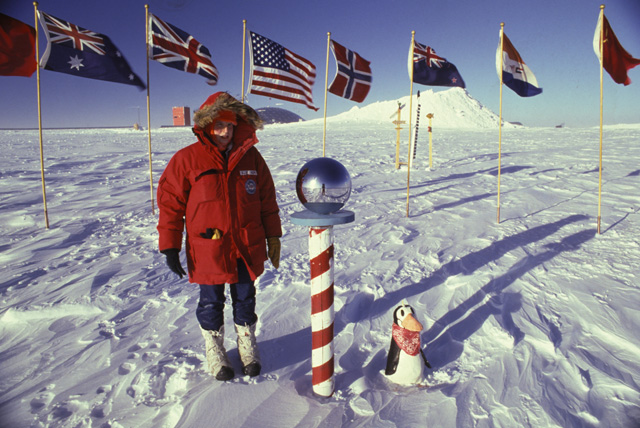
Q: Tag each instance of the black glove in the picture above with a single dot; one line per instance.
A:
(173, 261)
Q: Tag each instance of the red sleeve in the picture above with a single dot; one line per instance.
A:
(268, 201)
(173, 192)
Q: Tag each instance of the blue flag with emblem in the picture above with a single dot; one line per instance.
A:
(83, 53)
(431, 69)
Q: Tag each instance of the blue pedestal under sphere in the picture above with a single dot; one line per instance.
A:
(309, 218)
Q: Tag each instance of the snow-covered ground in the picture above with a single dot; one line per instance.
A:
(531, 322)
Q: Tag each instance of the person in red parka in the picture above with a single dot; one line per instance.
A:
(221, 190)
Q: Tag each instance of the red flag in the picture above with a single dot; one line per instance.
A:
(616, 60)
(17, 47)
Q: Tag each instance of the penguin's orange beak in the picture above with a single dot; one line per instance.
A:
(411, 324)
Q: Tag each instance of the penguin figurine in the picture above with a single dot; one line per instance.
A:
(405, 361)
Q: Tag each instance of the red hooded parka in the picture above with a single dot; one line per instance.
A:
(201, 189)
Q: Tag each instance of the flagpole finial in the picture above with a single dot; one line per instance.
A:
(502, 25)
(35, 3)
(601, 7)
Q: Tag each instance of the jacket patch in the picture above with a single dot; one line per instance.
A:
(249, 172)
(250, 186)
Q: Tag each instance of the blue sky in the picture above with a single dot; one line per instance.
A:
(554, 37)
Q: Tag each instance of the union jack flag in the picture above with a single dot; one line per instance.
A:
(68, 34)
(427, 68)
(421, 51)
(177, 49)
(353, 74)
(74, 50)
(279, 73)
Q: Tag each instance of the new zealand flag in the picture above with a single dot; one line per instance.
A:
(431, 69)
(79, 52)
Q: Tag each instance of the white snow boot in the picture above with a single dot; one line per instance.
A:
(248, 349)
(217, 359)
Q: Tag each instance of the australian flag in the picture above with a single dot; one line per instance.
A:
(353, 74)
(431, 69)
(178, 49)
(79, 52)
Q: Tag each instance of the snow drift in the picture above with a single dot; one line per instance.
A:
(451, 108)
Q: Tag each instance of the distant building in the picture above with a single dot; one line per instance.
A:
(181, 116)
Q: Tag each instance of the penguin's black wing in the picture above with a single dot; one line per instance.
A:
(424, 357)
(392, 358)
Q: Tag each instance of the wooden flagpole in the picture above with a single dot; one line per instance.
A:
(153, 205)
(413, 37)
(326, 83)
(500, 119)
(44, 191)
(601, 104)
(244, 44)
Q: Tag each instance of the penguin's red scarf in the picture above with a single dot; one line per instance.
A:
(407, 340)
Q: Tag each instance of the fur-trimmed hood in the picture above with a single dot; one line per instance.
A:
(220, 101)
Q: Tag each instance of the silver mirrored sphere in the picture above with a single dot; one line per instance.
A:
(323, 185)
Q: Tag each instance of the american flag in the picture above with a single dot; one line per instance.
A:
(178, 49)
(79, 52)
(353, 74)
(279, 73)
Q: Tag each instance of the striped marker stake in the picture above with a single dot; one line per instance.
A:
(322, 313)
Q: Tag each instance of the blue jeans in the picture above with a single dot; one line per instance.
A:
(243, 301)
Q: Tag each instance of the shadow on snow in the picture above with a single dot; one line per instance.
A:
(443, 333)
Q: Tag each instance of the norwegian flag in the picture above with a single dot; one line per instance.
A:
(178, 49)
(80, 52)
(428, 68)
(353, 74)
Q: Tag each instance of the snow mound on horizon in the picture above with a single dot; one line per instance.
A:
(452, 108)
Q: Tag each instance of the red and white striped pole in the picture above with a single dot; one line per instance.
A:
(323, 186)
(322, 313)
